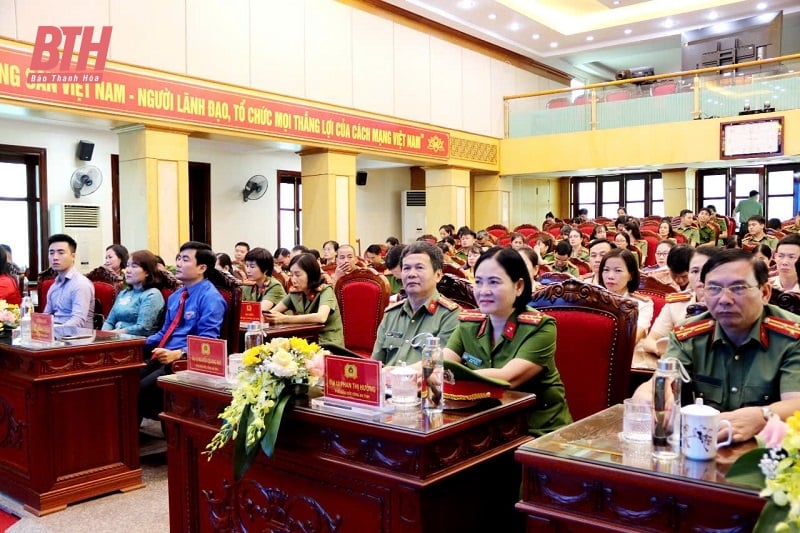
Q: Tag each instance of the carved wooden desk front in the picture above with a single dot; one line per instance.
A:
(68, 420)
(330, 473)
(583, 478)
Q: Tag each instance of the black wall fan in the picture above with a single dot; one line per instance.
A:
(255, 188)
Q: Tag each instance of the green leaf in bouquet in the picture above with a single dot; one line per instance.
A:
(771, 516)
(745, 471)
(242, 457)
(272, 423)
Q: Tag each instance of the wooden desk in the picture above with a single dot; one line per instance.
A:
(398, 474)
(583, 478)
(309, 332)
(68, 421)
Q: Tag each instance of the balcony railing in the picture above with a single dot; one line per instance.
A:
(728, 91)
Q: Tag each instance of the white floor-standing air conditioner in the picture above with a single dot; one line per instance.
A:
(412, 215)
(82, 223)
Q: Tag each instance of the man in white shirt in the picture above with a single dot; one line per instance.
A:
(786, 255)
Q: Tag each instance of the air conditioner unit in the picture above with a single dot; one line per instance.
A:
(82, 223)
(412, 215)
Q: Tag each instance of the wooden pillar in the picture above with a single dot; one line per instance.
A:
(329, 197)
(154, 189)
(447, 198)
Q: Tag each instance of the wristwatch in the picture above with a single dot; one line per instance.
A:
(766, 412)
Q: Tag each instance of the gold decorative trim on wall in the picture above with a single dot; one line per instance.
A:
(468, 150)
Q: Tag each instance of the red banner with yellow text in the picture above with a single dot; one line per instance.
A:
(140, 95)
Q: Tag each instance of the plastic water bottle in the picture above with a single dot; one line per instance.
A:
(25, 310)
(667, 407)
(432, 376)
(254, 336)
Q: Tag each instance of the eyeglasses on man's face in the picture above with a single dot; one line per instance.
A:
(740, 289)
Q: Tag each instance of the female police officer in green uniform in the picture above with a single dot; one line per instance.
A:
(510, 341)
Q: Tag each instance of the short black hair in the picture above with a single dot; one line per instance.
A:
(281, 252)
(630, 263)
(203, 254)
(758, 218)
(601, 241)
(753, 193)
(764, 249)
(121, 252)
(392, 241)
(392, 258)
(300, 248)
(513, 264)
(242, 243)
(63, 237)
(422, 247)
(309, 264)
(792, 238)
(774, 223)
(334, 243)
(624, 236)
(262, 258)
(679, 257)
(760, 269)
(563, 248)
(684, 212)
(583, 211)
(466, 231)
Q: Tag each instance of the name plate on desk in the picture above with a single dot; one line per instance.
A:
(250, 312)
(206, 356)
(42, 328)
(354, 380)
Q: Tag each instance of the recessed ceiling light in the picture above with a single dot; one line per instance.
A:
(514, 26)
(713, 15)
(535, 36)
(628, 31)
(554, 45)
(668, 23)
(761, 5)
(467, 4)
(590, 37)
(616, 2)
(492, 16)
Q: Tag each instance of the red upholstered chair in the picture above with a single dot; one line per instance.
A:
(453, 271)
(583, 266)
(457, 289)
(594, 344)
(549, 278)
(430, 239)
(661, 88)
(616, 96)
(527, 230)
(582, 99)
(43, 283)
(555, 103)
(504, 241)
(555, 230)
(104, 295)
(230, 290)
(680, 238)
(362, 296)
(657, 291)
(498, 230)
(789, 301)
(652, 243)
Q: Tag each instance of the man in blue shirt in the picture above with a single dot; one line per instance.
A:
(71, 297)
(197, 308)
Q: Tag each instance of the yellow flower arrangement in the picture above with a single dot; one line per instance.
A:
(776, 471)
(9, 314)
(270, 372)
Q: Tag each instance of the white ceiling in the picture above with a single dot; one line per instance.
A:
(592, 39)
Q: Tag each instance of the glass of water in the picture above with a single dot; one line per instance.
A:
(637, 421)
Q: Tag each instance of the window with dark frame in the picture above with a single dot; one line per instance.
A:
(642, 194)
(289, 208)
(23, 202)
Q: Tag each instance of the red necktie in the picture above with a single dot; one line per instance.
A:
(174, 323)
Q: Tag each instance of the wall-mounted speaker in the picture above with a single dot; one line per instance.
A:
(85, 149)
(361, 178)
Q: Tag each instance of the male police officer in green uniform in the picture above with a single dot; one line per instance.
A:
(743, 354)
(406, 324)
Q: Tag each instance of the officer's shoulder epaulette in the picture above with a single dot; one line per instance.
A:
(639, 296)
(396, 305)
(676, 297)
(687, 331)
(782, 326)
(447, 303)
(471, 316)
(530, 317)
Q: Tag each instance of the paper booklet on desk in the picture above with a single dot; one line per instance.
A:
(350, 409)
